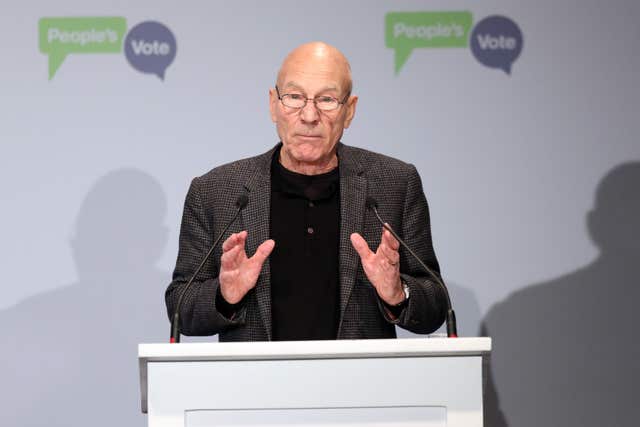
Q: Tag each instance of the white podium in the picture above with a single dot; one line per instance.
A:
(394, 382)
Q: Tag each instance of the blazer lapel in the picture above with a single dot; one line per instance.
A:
(353, 187)
(256, 217)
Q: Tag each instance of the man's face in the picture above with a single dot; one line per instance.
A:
(309, 135)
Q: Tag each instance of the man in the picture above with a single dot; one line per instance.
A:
(316, 276)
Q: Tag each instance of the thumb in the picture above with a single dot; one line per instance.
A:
(263, 251)
(361, 246)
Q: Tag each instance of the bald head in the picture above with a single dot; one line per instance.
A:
(317, 58)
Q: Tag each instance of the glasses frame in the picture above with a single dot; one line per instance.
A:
(315, 102)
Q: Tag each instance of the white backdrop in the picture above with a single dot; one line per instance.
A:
(96, 163)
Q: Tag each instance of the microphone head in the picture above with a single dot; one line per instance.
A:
(371, 203)
(242, 201)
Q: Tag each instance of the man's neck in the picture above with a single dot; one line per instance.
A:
(320, 167)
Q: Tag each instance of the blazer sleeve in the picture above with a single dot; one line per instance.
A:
(198, 312)
(426, 308)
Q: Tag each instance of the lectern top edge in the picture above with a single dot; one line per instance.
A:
(316, 349)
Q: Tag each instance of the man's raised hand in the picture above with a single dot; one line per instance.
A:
(382, 267)
(238, 273)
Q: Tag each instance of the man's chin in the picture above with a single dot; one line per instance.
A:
(307, 158)
(304, 153)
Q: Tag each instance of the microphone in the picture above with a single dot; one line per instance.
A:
(452, 330)
(241, 203)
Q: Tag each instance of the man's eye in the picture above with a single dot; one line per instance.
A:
(325, 99)
(296, 96)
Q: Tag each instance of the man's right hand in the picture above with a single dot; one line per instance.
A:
(239, 274)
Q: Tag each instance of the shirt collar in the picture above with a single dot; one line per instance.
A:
(311, 187)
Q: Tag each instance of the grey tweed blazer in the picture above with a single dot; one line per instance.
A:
(210, 204)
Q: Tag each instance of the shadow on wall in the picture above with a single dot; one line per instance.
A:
(566, 352)
(467, 310)
(71, 354)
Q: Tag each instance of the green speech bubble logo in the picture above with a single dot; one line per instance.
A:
(405, 31)
(61, 36)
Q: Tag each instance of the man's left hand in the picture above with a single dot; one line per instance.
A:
(382, 267)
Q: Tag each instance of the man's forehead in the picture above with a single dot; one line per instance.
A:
(315, 66)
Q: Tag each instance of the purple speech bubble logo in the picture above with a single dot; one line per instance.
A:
(496, 42)
(150, 47)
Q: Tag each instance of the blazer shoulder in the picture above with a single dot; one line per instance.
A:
(227, 181)
(375, 164)
(238, 170)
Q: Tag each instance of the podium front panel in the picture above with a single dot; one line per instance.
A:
(422, 382)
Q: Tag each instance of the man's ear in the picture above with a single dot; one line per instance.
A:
(351, 110)
(273, 104)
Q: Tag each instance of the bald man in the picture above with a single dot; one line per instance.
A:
(306, 260)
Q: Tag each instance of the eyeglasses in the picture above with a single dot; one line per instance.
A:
(322, 103)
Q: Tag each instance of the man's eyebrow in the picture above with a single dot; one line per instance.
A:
(294, 85)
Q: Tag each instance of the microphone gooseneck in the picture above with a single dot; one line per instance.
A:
(452, 329)
(241, 203)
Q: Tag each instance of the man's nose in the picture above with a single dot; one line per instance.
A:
(309, 113)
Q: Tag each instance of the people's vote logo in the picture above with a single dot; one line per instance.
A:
(496, 42)
(150, 47)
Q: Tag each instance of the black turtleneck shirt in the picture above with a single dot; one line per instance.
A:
(305, 224)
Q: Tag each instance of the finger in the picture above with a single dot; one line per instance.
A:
(233, 240)
(361, 246)
(240, 254)
(241, 238)
(389, 240)
(229, 259)
(392, 256)
(263, 251)
(229, 243)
